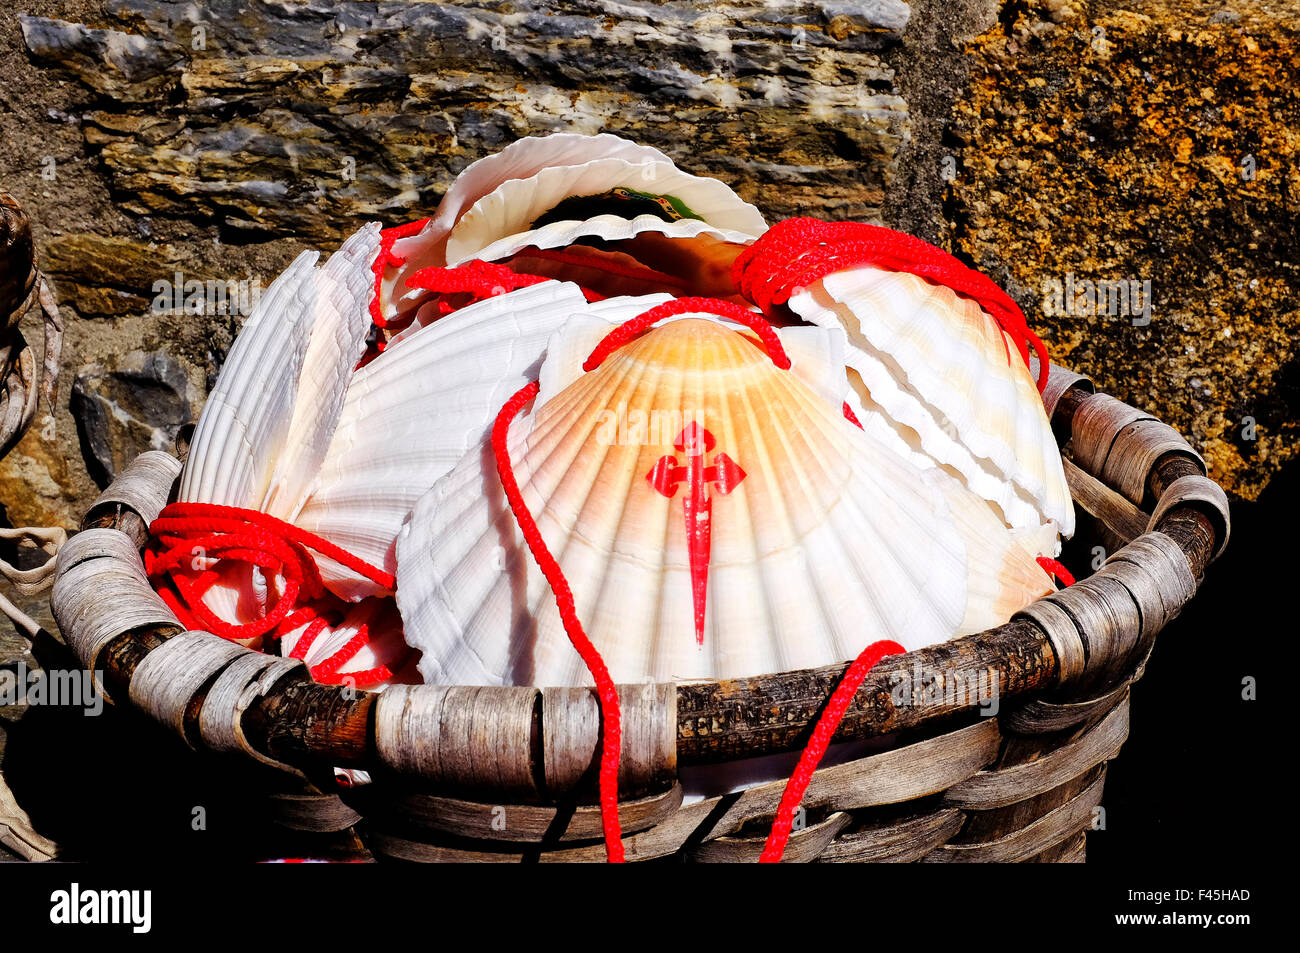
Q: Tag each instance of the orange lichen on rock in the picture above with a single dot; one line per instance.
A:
(1169, 163)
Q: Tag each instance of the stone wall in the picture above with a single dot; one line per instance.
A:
(158, 143)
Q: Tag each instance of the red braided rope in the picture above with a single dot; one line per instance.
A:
(479, 279)
(1053, 568)
(187, 532)
(634, 328)
(818, 743)
(387, 238)
(308, 637)
(793, 254)
(611, 733)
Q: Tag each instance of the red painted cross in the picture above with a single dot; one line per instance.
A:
(724, 474)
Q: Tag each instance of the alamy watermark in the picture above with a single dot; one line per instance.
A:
(180, 295)
(133, 908)
(1084, 297)
(72, 688)
(655, 428)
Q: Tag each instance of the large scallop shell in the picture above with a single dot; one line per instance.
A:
(498, 196)
(523, 159)
(268, 421)
(265, 431)
(936, 370)
(496, 223)
(822, 540)
(413, 412)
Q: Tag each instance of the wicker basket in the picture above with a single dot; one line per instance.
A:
(507, 774)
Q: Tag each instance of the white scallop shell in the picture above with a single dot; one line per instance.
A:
(934, 368)
(510, 208)
(829, 542)
(343, 288)
(415, 410)
(244, 422)
(511, 172)
(526, 157)
(519, 160)
(269, 420)
(270, 417)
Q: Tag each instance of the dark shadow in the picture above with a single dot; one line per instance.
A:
(1194, 780)
(115, 787)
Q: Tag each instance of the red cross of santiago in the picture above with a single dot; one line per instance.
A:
(723, 474)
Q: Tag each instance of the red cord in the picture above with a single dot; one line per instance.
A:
(1053, 568)
(387, 238)
(819, 742)
(629, 330)
(609, 708)
(793, 254)
(479, 279)
(184, 531)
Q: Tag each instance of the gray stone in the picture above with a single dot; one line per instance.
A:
(138, 405)
(130, 66)
(881, 14)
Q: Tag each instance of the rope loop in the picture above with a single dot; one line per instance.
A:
(629, 330)
(797, 252)
(190, 538)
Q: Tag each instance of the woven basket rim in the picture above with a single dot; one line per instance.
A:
(1046, 647)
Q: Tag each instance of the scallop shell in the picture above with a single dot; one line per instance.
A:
(497, 220)
(268, 421)
(413, 412)
(519, 160)
(538, 170)
(939, 372)
(825, 541)
(243, 424)
(525, 158)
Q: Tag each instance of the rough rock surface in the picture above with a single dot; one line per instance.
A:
(311, 118)
(1153, 142)
(138, 405)
(149, 138)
